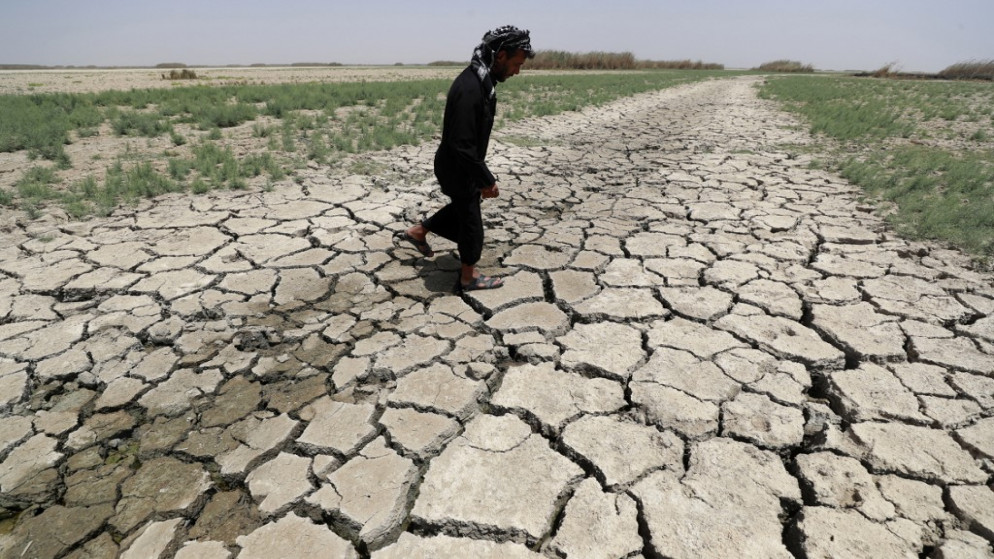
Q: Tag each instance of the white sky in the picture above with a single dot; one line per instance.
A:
(917, 35)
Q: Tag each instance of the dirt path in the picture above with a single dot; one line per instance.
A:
(703, 349)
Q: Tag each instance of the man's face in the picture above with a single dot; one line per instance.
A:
(506, 65)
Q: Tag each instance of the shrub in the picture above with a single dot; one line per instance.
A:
(885, 71)
(791, 66)
(184, 74)
(982, 70)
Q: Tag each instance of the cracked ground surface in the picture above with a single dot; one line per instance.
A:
(704, 348)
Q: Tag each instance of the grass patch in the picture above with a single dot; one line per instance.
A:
(139, 181)
(36, 184)
(362, 167)
(134, 123)
(940, 195)
(523, 141)
(922, 145)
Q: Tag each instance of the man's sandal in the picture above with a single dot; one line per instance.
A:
(421, 246)
(478, 283)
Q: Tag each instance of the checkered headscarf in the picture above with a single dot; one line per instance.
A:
(508, 38)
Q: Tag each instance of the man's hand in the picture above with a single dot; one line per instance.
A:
(490, 191)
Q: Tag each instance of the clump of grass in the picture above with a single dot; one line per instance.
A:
(134, 123)
(885, 71)
(184, 74)
(139, 181)
(36, 184)
(261, 130)
(225, 115)
(179, 168)
(79, 200)
(318, 149)
(786, 66)
(976, 70)
(215, 164)
(254, 165)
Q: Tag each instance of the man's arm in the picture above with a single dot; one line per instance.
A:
(463, 119)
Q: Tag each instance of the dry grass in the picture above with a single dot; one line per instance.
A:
(787, 66)
(562, 60)
(976, 70)
(184, 74)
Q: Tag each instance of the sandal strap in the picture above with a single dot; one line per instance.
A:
(479, 283)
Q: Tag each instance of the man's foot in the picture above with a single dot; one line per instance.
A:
(478, 283)
(419, 244)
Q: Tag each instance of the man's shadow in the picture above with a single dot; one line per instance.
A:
(437, 274)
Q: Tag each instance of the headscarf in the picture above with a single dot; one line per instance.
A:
(508, 38)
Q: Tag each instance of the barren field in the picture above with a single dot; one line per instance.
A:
(705, 348)
(85, 81)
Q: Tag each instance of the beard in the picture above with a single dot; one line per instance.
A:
(499, 72)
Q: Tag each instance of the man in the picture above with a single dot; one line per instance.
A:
(460, 165)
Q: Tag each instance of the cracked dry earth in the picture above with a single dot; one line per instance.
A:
(703, 349)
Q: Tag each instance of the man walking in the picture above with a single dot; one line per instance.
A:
(460, 165)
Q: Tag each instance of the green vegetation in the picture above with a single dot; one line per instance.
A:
(925, 146)
(289, 123)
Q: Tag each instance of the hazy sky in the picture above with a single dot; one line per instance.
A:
(919, 35)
